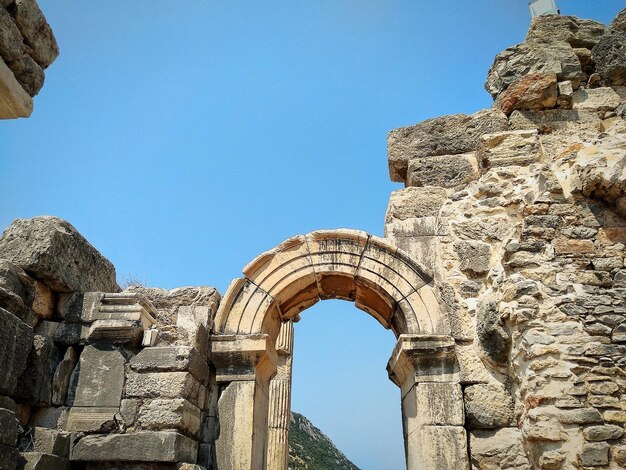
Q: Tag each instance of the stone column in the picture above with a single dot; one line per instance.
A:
(280, 402)
(425, 369)
(244, 366)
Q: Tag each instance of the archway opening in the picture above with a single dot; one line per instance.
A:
(340, 383)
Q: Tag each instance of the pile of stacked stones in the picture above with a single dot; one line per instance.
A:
(519, 211)
(90, 373)
(27, 44)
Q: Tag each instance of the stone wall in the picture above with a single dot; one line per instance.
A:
(519, 211)
(27, 48)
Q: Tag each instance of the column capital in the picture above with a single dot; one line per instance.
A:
(422, 358)
(243, 357)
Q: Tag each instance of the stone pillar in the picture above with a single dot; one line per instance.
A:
(425, 369)
(244, 366)
(280, 402)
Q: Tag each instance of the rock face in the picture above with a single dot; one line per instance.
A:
(51, 249)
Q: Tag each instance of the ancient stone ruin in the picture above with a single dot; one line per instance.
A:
(501, 274)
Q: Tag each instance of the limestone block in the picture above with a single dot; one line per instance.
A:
(50, 418)
(596, 99)
(441, 447)
(43, 304)
(8, 428)
(535, 91)
(61, 380)
(35, 383)
(619, 22)
(439, 404)
(11, 42)
(494, 339)
(446, 171)
(554, 119)
(91, 419)
(41, 461)
(176, 413)
(116, 331)
(16, 291)
(51, 441)
(509, 148)
(498, 449)
(191, 321)
(171, 358)
(28, 73)
(100, 377)
(51, 249)
(140, 446)
(14, 101)
(608, 55)
(595, 454)
(36, 31)
(415, 203)
(515, 62)
(474, 256)
(488, 406)
(619, 454)
(471, 368)
(16, 340)
(603, 432)
(566, 94)
(575, 31)
(8, 457)
(68, 334)
(165, 385)
(446, 135)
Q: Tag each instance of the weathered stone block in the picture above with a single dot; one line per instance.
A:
(91, 419)
(474, 256)
(575, 31)
(28, 73)
(40, 461)
(100, 377)
(439, 404)
(415, 203)
(35, 383)
(36, 31)
(16, 292)
(535, 91)
(8, 428)
(554, 119)
(50, 418)
(595, 454)
(604, 432)
(176, 413)
(493, 337)
(446, 135)
(498, 449)
(11, 41)
(43, 305)
(608, 54)
(596, 99)
(171, 358)
(446, 171)
(165, 385)
(53, 250)
(16, 340)
(488, 406)
(116, 331)
(8, 457)
(441, 447)
(140, 446)
(509, 148)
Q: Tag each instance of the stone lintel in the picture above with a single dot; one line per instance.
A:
(422, 358)
(243, 357)
(14, 101)
(130, 306)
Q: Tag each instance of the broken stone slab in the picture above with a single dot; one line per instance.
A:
(11, 42)
(35, 383)
(171, 358)
(535, 91)
(178, 413)
(51, 249)
(446, 171)
(610, 58)
(165, 385)
(61, 380)
(515, 62)
(51, 441)
(575, 31)
(140, 446)
(16, 291)
(509, 148)
(100, 377)
(36, 31)
(28, 73)
(488, 406)
(8, 428)
(41, 461)
(596, 99)
(16, 340)
(446, 135)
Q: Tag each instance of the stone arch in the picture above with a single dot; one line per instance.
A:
(252, 341)
(343, 264)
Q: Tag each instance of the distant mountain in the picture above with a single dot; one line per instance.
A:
(310, 449)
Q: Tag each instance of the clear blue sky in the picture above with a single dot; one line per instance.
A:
(184, 138)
